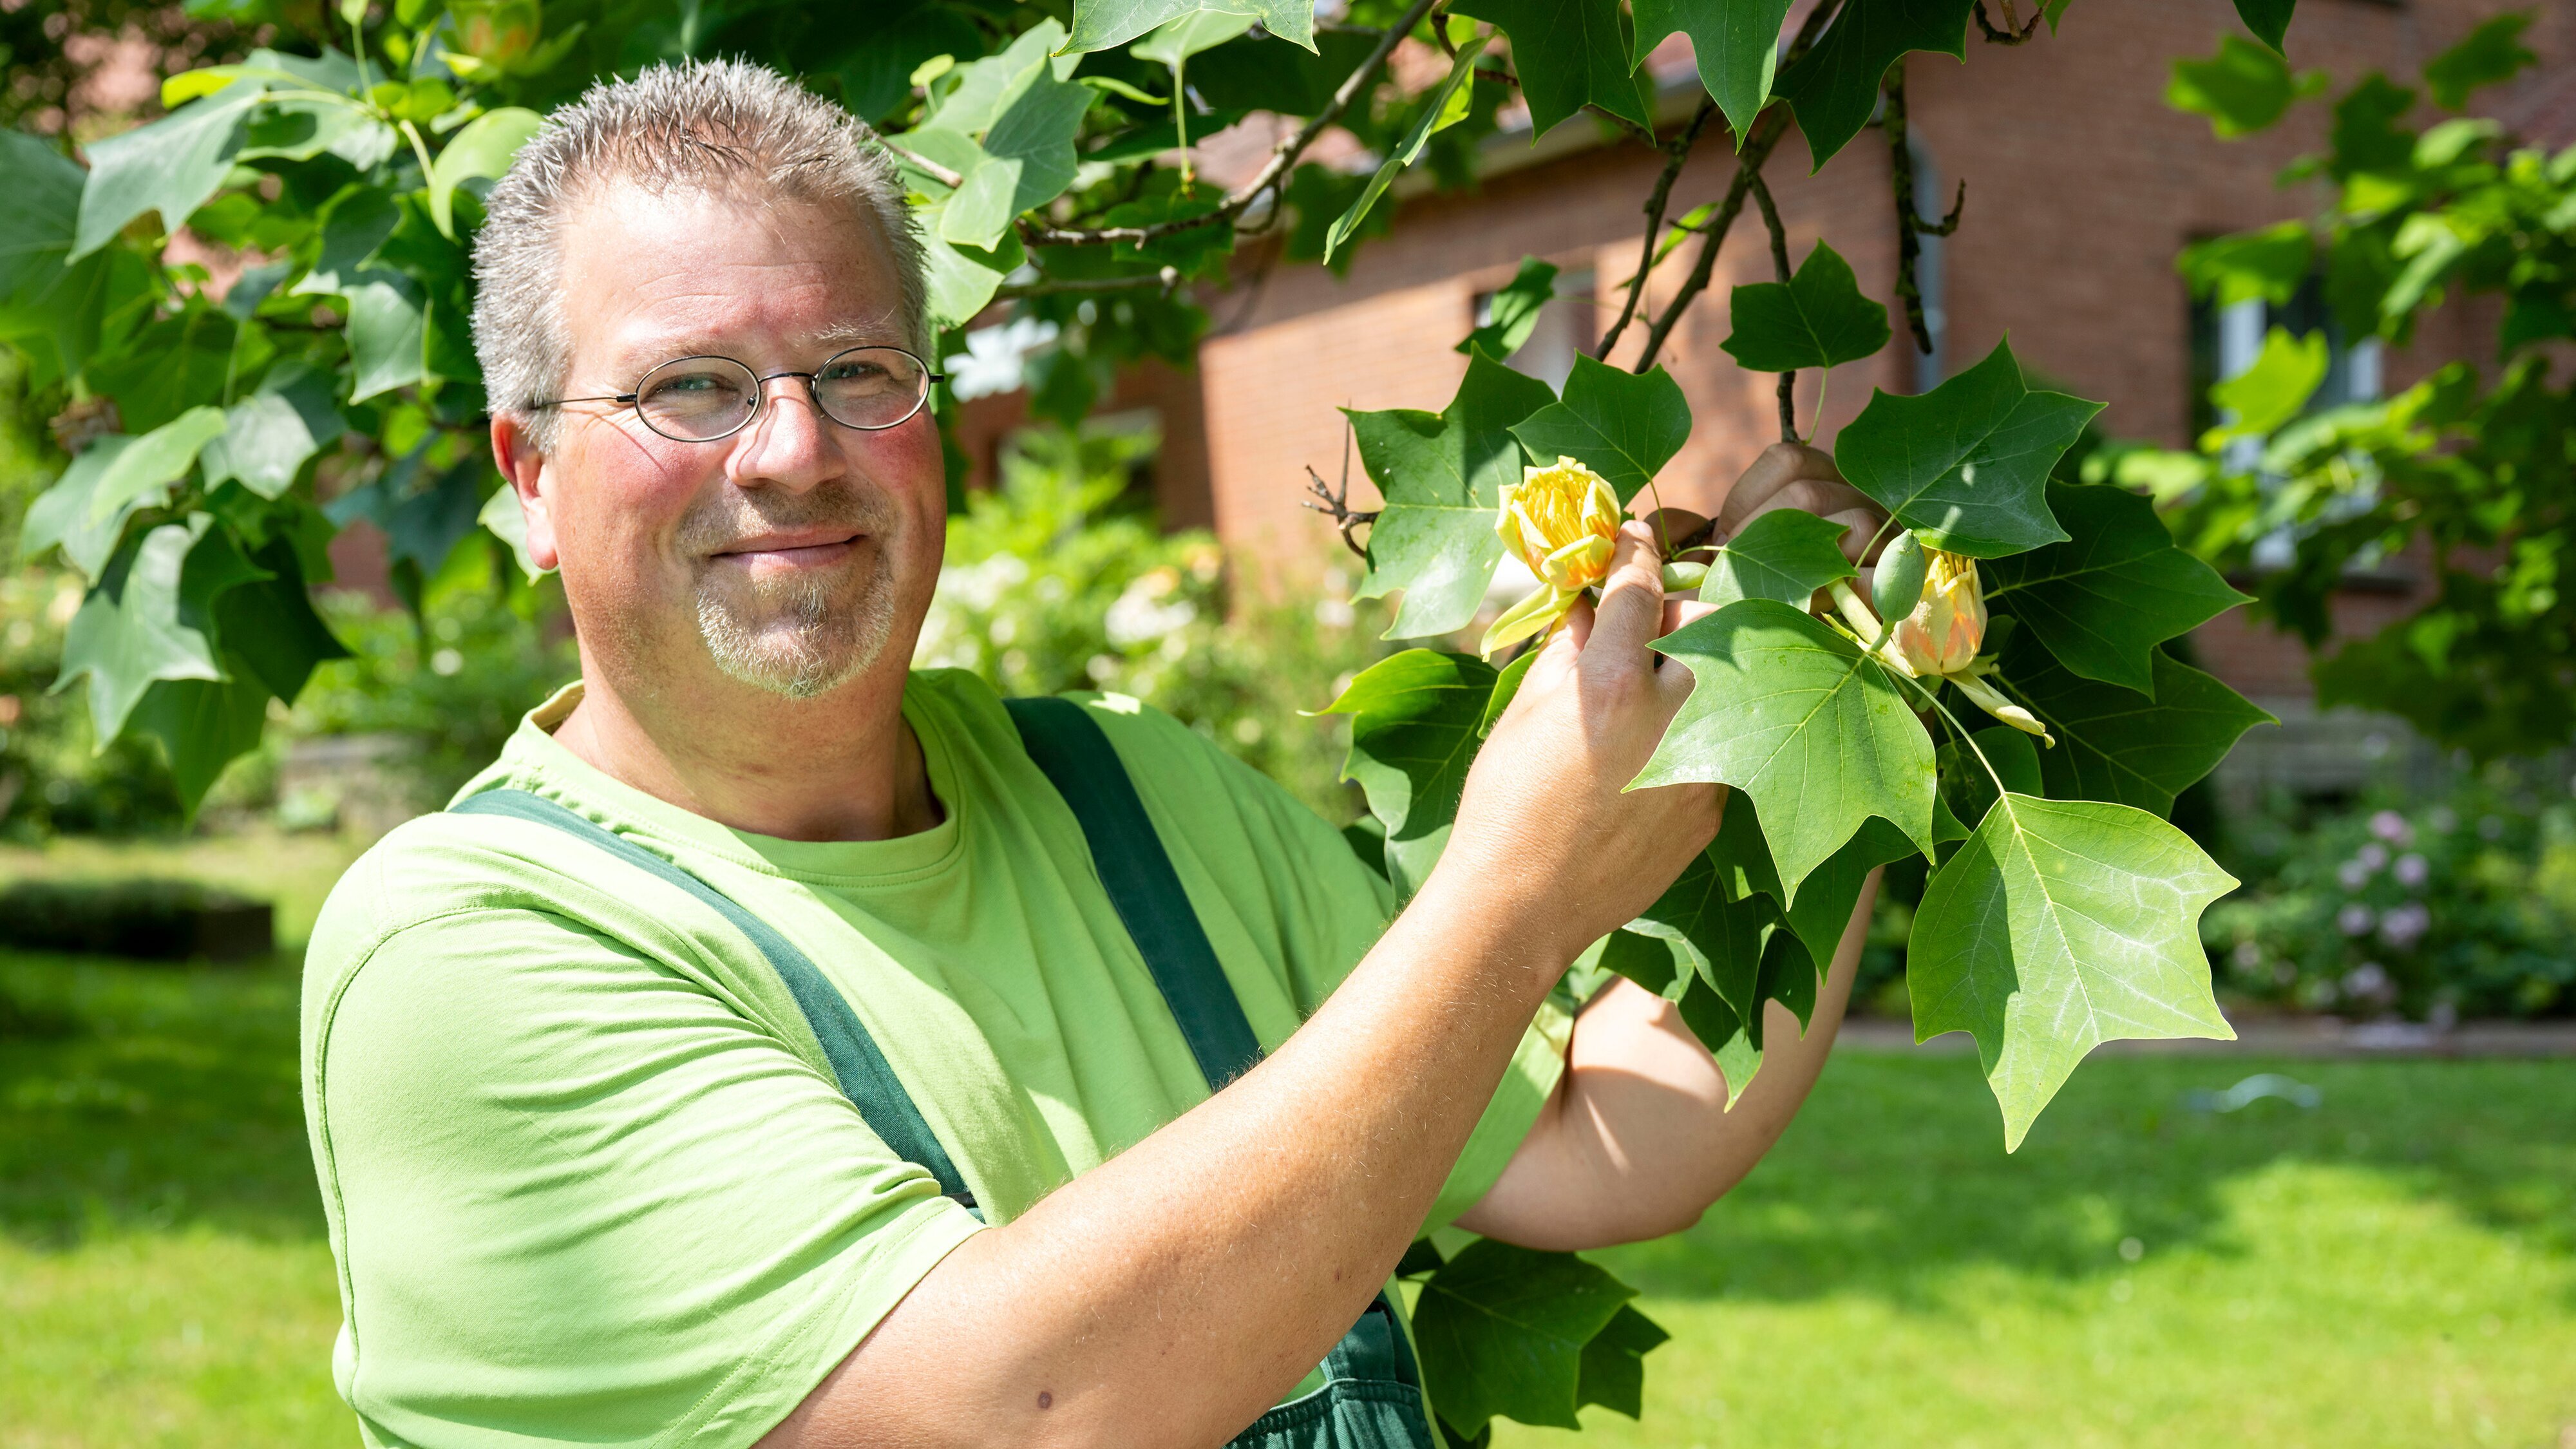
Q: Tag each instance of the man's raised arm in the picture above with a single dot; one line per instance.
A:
(1171, 1295)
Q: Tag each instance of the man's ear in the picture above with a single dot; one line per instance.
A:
(525, 468)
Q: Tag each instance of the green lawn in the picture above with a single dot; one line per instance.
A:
(2397, 1267)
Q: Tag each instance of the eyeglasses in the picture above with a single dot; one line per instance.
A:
(703, 399)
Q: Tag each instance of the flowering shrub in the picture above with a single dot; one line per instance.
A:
(2460, 905)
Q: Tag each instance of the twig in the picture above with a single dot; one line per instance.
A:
(1335, 502)
(1282, 156)
(1750, 158)
(1909, 223)
(924, 165)
(1780, 268)
(1166, 279)
(2012, 31)
(1676, 154)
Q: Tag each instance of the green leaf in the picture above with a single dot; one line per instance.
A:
(170, 166)
(1625, 426)
(116, 477)
(1835, 86)
(2103, 600)
(2120, 745)
(1441, 477)
(1514, 310)
(2489, 54)
(268, 625)
(1506, 686)
(1567, 53)
(2060, 925)
(387, 332)
(1100, 24)
(299, 128)
(177, 363)
(1434, 110)
(1822, 910)
(1968, 791)
(1183, 36)
(1027, 113)
(1254, 73)
(37, 227)
(203, 725)
(2242, 89)
(1614, 1362)
(2270, 264)
(2268, 19)
(1718, 936)
(1792, 714)
(2275, 389)
(962, 280)
(1501, 1331)
(483, 149)
(1783, 555)
(1415, 729)
(1736, 42)
(1964, 464)
(873, 50)
(502, 517)
(268, 436)
(1818, 318)
(128, 632)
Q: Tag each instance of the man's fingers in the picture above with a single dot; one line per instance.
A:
(1860, 527)
(1779, 466)
(1632, 596)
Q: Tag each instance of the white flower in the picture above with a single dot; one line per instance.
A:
(2355, 919)
(1140, 616)
(2390, 826)
(2412, 870)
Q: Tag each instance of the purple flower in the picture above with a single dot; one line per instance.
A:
(2366, 980)
(2373, 856)
(2353, 874)
(2390, 826)
(2405, 925)
(2355, 919)
(2411, 870)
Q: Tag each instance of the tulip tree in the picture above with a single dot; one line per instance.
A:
(1993, 695)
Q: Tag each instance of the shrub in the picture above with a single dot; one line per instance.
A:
(2461, 903)
(160, 920)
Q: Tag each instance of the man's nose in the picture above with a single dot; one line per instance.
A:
(789, 444)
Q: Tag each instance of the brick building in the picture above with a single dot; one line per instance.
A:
(2082, 185)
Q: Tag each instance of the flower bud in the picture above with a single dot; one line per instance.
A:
(1948, 624)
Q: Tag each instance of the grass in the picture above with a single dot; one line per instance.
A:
(2396, 1267)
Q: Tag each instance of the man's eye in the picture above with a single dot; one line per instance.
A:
(693, 384)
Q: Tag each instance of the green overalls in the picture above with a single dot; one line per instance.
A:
(1370, 1396)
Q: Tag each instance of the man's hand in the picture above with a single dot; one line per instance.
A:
(1793, 475)
(1548, 831)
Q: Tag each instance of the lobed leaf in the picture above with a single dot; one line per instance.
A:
(1100, 24)
(171, 166)
(1735, 42)
(482, 149)
(1624, 425)
(1441, 477)
(1818, 318)
(2103, 600)
(1568, 53)
(1965, 464)
(128, 633)
(1794, 716)
(1514, 310)
(2121, 745)
(1613, 1374)
(2242, 89)
(2268, 19)
(2273, 390)
(1436, 112)
(2059, 925)
(1501, 1331)
(1783, 555)
(1417, 720)
(1835, 85)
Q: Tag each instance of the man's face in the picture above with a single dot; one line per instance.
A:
(792, 555)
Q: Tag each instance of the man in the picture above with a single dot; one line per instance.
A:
(588, 1170)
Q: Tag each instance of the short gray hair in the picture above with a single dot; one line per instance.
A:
(700, 124)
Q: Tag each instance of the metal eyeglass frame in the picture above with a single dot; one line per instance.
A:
(760, 394)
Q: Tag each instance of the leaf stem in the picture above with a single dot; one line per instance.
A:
(1932, 696)
(1780, 271)
(1676, 154)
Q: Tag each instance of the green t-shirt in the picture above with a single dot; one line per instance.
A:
(588, 1174)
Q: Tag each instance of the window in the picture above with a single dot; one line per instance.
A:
(2225, 341)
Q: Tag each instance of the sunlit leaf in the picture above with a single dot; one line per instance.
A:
(1736, 42)
(268, 436)
(1432, 114)
(1965, 464)
(1441, 476)
(170, 165)
(1794, 716)
(1818, 318)
(1416, 721)
(2273, 390)
(482, 149)
(1625, 425)
(2060, 925)
(1100, 24)
(1784, 555)
(2242, 89)
(1513, 310)
(128, 632)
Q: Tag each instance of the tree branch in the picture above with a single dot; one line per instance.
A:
(1166, 279)
(1779, 268)
(2012, 31)
(1283, 156)
(1910, 224)
(1676, 155)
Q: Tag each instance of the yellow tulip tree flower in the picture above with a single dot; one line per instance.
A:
(1562, 521)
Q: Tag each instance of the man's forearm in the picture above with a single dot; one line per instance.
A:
(1639, 1140)
(1172, 1294)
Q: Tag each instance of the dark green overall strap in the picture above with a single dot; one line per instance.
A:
(866, 1078)
(1084, 767)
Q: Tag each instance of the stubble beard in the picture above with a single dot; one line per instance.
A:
(799, 638)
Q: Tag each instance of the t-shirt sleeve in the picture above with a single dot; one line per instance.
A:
(579, 1198)
(1328, 908)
